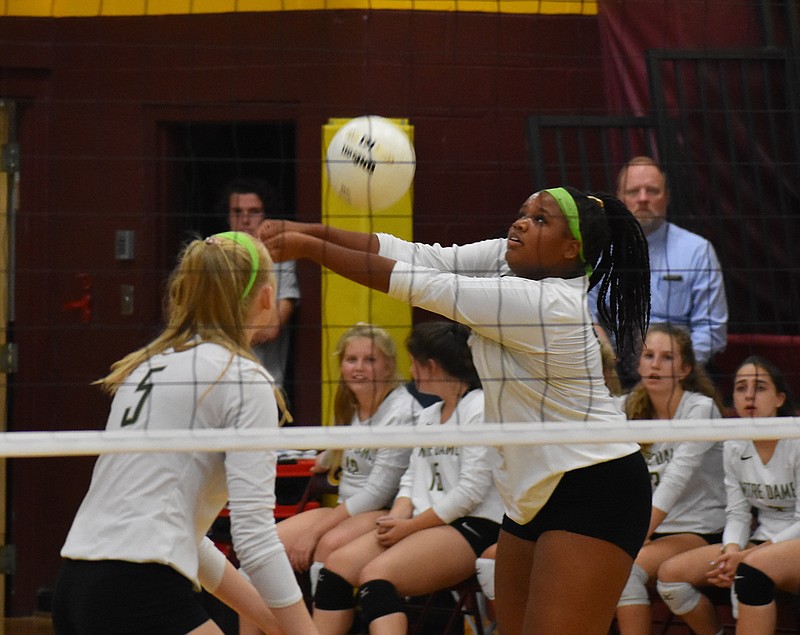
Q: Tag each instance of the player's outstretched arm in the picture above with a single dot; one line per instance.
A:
(365, 268)
(220, 578)
(357, 241)
(237, 592)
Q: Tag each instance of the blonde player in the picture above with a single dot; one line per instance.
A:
(369, 393)
(575, 514)
(763, 475)
(687, 478)
(137, 552)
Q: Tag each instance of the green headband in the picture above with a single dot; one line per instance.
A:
(246, 241)
(570, 209)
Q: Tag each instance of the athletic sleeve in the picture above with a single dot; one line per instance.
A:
(406, 489)
(682, 468)
(482, 259)
(382, 483)
(792, 531)
(738, 515)
(688, 457)
(475, 480)
(477, 302)
(212, 565)
(476, 466)
(251, 501)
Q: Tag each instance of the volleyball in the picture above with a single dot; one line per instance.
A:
(370, 163)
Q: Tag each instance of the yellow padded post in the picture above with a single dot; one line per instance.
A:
(343, 302)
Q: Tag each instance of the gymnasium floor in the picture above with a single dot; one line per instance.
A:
(27, 626)
(42, 626)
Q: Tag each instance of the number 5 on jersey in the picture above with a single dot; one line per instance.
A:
(144, 387)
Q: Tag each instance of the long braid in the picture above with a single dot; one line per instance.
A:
(615, 245)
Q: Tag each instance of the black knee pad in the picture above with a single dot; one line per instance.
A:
(378, 598)
(753, 586)
(334, 593)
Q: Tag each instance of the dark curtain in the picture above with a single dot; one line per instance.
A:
(718, 79)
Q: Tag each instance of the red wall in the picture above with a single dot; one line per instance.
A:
(92, 93)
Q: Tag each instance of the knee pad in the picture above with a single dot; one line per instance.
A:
(753, 586)
(333, 593)
(378, 598)
(484, 569)
(635, 591)
(680, 597)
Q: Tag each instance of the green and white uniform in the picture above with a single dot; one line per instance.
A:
(771, 489)
(687, 477)
(535, 350)
(370, 477)
(454, 481)
(157, 507)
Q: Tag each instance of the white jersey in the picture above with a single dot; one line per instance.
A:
(534, 347)
(157, 507)
(770, 488)
(454, 481)
(370, 477)
(687, 477)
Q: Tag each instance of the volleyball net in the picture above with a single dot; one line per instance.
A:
(88, 443)
(120, 126)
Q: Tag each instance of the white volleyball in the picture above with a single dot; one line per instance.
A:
(370, 163)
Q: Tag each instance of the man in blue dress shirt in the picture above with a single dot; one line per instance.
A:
(686, 283)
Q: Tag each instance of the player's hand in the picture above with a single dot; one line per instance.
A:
(384, 523)
(392, 530)
(275, 226)
(288, 245)
(723, 569)
(301, 553)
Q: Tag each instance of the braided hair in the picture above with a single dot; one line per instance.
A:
(616, 247)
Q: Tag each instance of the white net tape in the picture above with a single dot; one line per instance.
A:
(78, 443)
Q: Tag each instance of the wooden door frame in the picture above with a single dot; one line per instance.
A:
(9, 181)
